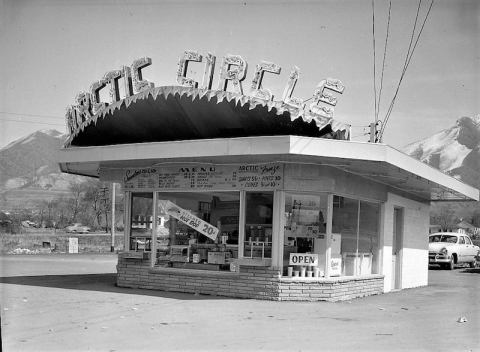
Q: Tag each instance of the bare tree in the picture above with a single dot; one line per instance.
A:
(444, 216)
(94, 199)
(77, 191)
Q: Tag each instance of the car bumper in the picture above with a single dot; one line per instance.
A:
(437, 258)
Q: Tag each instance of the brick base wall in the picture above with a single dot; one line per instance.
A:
(250, 282)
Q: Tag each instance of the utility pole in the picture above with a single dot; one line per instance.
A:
(112, 247)
(374, 138)
(104, 197)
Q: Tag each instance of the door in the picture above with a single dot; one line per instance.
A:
(471, 249)
(397, 244)
(462, 255)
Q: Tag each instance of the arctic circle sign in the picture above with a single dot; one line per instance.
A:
(233, 71)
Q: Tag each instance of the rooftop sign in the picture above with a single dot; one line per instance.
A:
(233, 71)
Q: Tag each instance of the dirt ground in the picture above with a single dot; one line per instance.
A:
(71, 303)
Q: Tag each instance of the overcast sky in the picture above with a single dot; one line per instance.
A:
(51, 50)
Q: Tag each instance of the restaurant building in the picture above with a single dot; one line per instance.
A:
(242, 196)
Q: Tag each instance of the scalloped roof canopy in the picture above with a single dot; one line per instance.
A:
(181, 113)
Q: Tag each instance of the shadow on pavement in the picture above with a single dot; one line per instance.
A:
(472, 271)
(97, 282)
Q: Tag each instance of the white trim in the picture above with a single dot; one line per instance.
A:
(278, 229)
(241, 224)
(153, 243)
(128, 223)
(328, 230)
(257, 146)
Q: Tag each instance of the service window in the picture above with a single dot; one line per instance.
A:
(258, 225)
(197, 230)
(305, 219)
(141, 221)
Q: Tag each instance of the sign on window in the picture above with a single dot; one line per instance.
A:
(303, 259)
(190, 220)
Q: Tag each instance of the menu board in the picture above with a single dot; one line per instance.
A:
(267, 176)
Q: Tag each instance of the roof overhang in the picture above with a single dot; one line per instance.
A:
(378, 162)
(170, 113)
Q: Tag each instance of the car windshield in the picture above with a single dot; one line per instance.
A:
(443, 238)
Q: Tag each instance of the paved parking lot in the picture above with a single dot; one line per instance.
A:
(71, 303)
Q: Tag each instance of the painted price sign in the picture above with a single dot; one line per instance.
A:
(303, 259)
(206, 177)
(191, 220)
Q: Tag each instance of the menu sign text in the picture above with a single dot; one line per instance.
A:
(204, 177)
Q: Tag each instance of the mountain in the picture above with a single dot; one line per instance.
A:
(29, 170)
(455, 150)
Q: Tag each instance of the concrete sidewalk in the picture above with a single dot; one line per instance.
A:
(70, 303)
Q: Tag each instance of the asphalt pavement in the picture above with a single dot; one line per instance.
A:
(71, 303)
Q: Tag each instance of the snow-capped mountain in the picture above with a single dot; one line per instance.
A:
(31, 162)
(455, 150)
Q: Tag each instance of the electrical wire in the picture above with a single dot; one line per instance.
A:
(407, 62)
(384, 57)
(36, 122)
(374, 57)
(32, 115)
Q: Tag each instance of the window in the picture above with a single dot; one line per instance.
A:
(461, 240)
(197, 230)
(356, 225)
(141, 221)
(305, 228)
(467, 240)
(258, 225)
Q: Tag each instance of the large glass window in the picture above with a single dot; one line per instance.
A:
(355, 226)
(258, 225)
(197, 230)
(305, 228)
(141, 221)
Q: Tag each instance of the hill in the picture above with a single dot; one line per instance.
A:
(455, 150)
(29, 171)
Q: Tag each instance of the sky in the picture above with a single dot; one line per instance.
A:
(53, 49)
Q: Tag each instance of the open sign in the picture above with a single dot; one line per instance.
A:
(303, 259)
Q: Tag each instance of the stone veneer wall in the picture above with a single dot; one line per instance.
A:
(250, 282)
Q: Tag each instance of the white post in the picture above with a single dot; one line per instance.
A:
(241, 222)
(328, 230)
(278, 229)
(112, 247)
(127, 220)
(153, 243)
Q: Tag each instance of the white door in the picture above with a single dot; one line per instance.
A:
(471, 249)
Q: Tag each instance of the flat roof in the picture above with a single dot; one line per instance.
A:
(378, 162)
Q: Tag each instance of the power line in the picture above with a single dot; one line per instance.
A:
(374, 57)
(384, 57)
(407, 62)
(32, 115)
(36, 122)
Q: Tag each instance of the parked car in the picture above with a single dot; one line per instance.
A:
(77, 228)
(451, 248)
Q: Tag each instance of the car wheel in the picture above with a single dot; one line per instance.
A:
(451, 264)
(473, 264)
